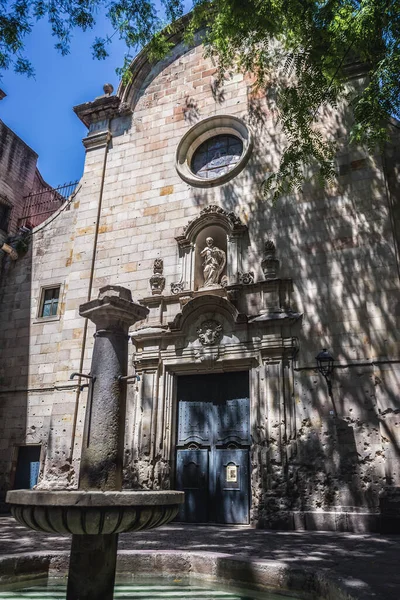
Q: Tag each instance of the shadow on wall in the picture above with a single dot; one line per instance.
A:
(30, 417)
(15, 299)
(338, 246)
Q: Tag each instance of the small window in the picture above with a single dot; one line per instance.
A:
(216, 156)
(49, 305)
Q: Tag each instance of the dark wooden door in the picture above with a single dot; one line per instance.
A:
(232, 486)
(28, 464)
(212, 466)
(192, 476)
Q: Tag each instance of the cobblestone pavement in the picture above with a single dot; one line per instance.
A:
(369, 562)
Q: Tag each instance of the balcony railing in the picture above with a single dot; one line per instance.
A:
(40, 205)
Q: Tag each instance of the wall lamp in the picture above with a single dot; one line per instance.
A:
(325, 367)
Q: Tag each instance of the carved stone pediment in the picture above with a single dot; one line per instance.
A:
(204, 303)
(214, 215)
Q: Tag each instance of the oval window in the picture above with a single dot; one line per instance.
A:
(216, 156)
(213, 151)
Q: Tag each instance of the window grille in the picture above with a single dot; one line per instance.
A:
(217, 156)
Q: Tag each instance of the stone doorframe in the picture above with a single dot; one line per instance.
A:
(263, 348)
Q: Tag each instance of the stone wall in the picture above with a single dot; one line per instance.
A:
(19, 176)
(17, 172)
(337, 246)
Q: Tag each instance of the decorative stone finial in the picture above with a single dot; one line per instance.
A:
(157, 281)
(177, 287)
(108, 89)
(270, 264)
(269, 248)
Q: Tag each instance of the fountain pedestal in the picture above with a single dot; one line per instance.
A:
(93, 558)
(92, 567)
(113, 312)
(98, 511)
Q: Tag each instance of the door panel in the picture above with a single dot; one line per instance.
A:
(233, 421)
(214, 412)
(192, 478)
(232, 485)
(195, 423)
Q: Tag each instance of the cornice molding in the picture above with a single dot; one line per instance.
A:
(99, 139)
(102, 108)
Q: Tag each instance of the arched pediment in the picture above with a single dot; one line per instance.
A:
(204, 304)
(211, 215)
(142, 66)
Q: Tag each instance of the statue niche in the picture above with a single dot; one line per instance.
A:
(210, 265)
(203, 265)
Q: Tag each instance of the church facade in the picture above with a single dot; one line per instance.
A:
(227, 403)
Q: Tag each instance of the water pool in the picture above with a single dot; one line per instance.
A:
(165, 589)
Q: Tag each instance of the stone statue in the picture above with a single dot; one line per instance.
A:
(214, 263)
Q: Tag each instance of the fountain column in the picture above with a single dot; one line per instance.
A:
(98, 511)
(93, 557)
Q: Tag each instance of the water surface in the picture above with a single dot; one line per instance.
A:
(164, 589)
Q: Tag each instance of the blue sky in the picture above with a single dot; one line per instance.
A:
(40, 110)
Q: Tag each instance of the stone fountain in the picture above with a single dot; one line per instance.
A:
(98, 510)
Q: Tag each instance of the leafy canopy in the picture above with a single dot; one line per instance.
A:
(310, 43)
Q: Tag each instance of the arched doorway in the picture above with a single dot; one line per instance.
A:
(212, 452)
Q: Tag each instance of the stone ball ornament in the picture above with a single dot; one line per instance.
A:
(108, 89)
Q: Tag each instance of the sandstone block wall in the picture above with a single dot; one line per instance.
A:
(338, 245)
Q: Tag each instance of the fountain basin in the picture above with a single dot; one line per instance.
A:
(93, 512)
(210, 567)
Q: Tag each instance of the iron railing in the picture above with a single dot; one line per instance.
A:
(40, 205)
